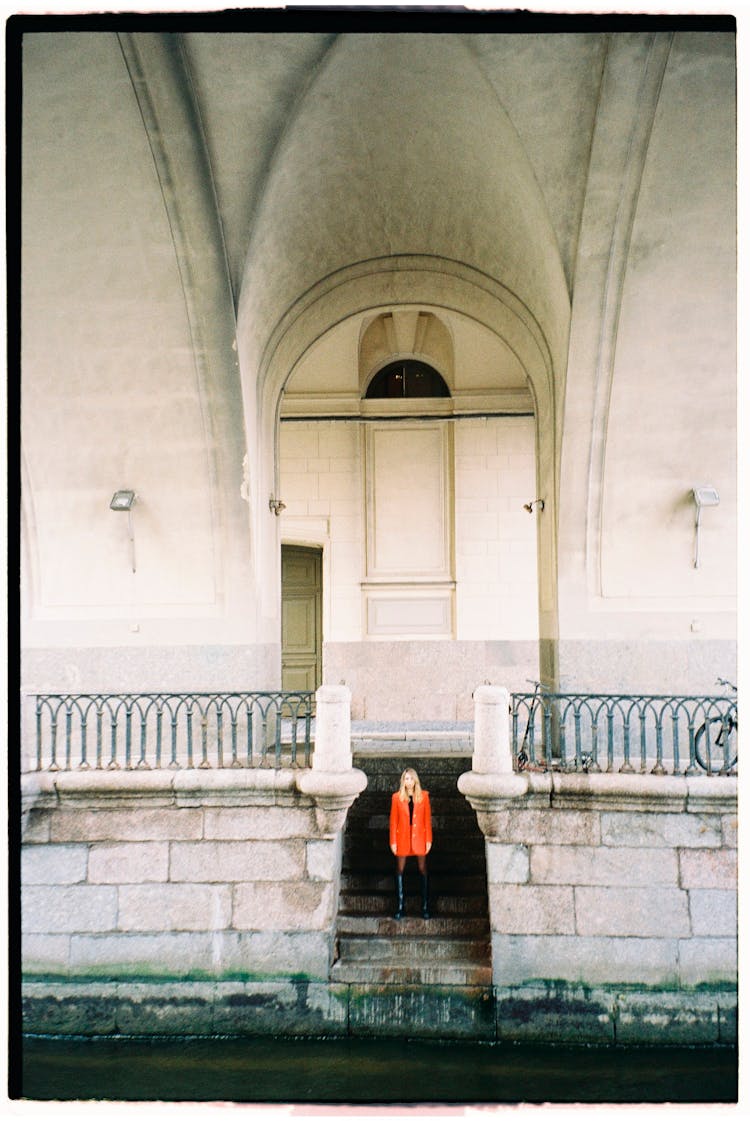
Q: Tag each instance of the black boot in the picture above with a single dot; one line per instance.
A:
(425, 897)
(399, 896)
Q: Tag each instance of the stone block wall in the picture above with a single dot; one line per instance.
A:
(618, 882)
(175, 876)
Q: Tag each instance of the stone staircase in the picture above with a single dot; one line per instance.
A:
(453, 946)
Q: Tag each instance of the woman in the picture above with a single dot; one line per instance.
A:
(411, 835)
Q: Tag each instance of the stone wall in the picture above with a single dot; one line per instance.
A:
(175, 875)
(635, 885)
(613, 903)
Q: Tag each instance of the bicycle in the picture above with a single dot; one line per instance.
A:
(726, 739)
(522, 758)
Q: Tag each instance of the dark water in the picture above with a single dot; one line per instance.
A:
(375, 1071)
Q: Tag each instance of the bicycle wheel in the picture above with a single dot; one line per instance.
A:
(713, 754)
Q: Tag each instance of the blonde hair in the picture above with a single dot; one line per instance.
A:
(417, 786)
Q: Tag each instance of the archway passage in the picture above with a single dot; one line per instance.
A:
(452, 947)
(301, 618)
(417, 501)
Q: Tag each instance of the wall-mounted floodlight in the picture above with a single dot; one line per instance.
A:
(704, 495)
(529, 506)
(122, 500)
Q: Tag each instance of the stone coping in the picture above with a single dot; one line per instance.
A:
(666, 793)
(234, 786)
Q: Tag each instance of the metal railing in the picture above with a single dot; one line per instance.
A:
(172, 730)
(605, 732)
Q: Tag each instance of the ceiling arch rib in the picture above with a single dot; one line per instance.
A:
(347, 186)
(172, 123)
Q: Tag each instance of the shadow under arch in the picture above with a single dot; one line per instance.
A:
(438, 283)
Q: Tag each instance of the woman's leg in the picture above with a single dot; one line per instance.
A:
(422, 865)
(400, 864)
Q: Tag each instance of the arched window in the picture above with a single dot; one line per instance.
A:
(407, 378)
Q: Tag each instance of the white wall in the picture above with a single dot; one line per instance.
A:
(321, 486)
(494, 627)
(496, 562)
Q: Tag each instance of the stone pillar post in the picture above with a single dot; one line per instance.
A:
(492, 751)
(333, 742)
(332, 782)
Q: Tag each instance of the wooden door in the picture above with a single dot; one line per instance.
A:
(301, 613)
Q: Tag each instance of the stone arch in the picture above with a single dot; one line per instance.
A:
(374, 285)
(355, 221)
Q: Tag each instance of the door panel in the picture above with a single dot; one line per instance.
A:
(301, 613)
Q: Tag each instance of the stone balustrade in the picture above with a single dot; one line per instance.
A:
(611, 882)
(226, 876)
(204, 900)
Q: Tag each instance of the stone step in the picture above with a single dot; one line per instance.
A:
(443, 926)
(376, 973)
(398, 950)
(381, 904)
(443, 883)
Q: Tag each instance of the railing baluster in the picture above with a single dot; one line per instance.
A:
(189, 719)
(676, 741)
(250, 709)
(54, 766)
(83, 765)
(547, 739)
(658, 769)
(173, 739)
(219, 736)
(204, 739)
(277, 744)
(128, 733)
(39, 733)
(692, 768)
(113, 764)
(98, 734)
(235, 760)
(308, 729)
(157, 753)
(142, 761)
(68, 738)
(563, 738)
(577, 727)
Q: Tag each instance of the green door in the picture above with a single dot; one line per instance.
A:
(301, 612)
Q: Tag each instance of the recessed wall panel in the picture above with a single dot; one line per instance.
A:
(408, 507)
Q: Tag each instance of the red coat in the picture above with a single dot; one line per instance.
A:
(411, 841)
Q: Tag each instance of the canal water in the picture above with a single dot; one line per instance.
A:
(378, 1071)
